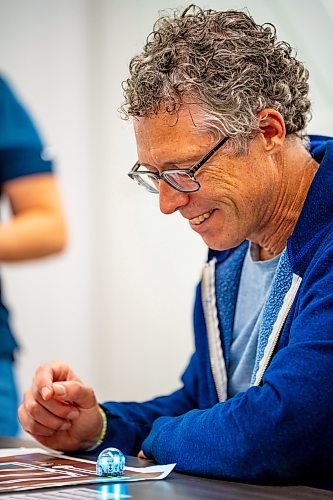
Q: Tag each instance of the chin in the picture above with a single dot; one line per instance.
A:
(218, 245)
(214, 245)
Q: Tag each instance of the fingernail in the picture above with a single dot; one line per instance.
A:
(59, 389)
(45, 392)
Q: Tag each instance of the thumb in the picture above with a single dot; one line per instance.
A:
(75, 392)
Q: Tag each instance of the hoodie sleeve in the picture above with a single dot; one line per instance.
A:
(129, 423)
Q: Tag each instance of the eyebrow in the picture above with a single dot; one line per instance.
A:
(175, 161)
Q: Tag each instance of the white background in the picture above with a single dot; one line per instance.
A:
(117, 304)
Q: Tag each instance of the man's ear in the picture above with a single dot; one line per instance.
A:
(272, 129)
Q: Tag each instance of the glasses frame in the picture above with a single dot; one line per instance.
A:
(138, 177)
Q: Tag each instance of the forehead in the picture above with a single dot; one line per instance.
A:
(159, 136)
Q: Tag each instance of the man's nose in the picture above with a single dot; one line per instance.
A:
(171, 199)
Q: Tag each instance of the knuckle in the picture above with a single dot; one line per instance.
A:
(21, 413)
(31, 426)
(32, 407)
(26, 394)
(90, 391)
(63, 425)
(40, 368)
(76, 388)
(55, 363)
(35, 429)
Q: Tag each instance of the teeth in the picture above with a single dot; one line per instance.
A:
(198, 220)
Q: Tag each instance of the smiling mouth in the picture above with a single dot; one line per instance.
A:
(201, 218)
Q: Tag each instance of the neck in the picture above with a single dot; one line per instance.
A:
(296, 172)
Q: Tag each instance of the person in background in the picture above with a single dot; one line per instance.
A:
(35, 229)
(220, 108)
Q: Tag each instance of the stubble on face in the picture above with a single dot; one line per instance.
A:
(236, 190)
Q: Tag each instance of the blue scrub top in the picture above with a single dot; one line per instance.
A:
(21, 153)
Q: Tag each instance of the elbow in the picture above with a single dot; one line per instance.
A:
(58, 237)
(58, 246)
(60, 240)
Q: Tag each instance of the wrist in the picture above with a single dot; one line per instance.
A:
(102, 432)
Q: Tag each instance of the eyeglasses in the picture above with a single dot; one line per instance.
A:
(181, 179)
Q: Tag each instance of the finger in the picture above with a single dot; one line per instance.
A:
(62, 409)
(141, 454)
(42, 384)
(52, 414)
(35, 428)
(47, 374)
(76, 393)
(43, 379)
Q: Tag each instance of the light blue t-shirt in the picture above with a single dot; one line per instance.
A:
(255, 282)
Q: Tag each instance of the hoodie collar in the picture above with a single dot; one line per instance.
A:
(316, 217)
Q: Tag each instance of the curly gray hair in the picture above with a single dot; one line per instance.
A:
(226, 63)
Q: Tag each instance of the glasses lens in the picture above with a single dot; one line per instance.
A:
(145, 179)
(181, 180)
(178, 179)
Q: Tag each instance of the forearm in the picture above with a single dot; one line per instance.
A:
(129, 423)
(32, 234)
(225, 443)
(276, 432)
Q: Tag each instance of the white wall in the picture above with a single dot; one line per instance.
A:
(44, 50)
(117, 305)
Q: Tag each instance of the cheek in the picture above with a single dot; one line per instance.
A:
(240, 191)
(219, 185)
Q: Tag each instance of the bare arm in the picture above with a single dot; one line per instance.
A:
(37, 227)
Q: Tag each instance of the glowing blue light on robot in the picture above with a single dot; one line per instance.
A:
(110, 462)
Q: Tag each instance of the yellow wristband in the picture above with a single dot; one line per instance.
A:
(103, 431)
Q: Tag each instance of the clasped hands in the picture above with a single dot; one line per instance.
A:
(60, 411)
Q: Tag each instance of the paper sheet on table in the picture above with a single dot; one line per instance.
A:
(31, 468)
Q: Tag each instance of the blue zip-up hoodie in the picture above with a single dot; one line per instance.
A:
(282, 426)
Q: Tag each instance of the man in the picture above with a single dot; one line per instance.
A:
(219, 109)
